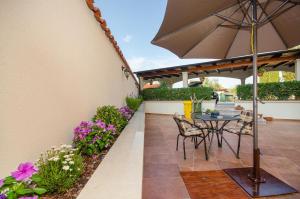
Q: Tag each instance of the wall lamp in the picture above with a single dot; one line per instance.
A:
(125, 71)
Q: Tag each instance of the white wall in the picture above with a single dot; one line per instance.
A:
(275, 109)
(171, 107)
(56, 67)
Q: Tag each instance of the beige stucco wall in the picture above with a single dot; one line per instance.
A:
(56, 67)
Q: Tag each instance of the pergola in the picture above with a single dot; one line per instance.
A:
(238, 67)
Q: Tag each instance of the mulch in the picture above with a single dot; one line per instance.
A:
(211, 184)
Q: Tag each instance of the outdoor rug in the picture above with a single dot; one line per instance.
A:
(211, 185)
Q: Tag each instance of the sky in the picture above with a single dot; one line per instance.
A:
(134, 23)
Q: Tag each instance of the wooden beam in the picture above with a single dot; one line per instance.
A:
(224, 66)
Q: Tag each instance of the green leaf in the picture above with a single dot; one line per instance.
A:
(23, 191)
(36, 178)
(11, 195)
(9, 180)
(39, 191)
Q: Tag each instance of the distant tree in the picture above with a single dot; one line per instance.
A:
(288, 76)
(272, 76)
(213, 83)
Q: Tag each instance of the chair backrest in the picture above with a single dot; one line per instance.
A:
(179, 121)
(246, 122)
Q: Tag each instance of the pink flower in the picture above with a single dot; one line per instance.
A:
(25, 171)
(1, 182)
(30, 197)
(101, 124)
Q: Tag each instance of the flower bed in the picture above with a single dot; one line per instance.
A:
(61, 172)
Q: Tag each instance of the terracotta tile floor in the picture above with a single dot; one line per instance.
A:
(279, 142)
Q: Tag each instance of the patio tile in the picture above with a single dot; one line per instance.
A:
(161, 170)
(164, 188)
(279, 142)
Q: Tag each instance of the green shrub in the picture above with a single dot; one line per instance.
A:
(133, 103)
(270, 91)
(91, 138)
(177, 93)
(111, 115)
(59, 169)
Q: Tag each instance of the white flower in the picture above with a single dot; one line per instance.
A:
(71, 162)
(66, 167)
(66, 156)
(64, 162)
(78, 169)
(55, 159)
(68, 159)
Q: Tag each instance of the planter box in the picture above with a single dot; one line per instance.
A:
(120, 173)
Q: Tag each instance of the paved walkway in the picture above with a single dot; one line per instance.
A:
(279, 142)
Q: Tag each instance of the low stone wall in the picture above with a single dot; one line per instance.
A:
(276, 109)
(120, 173)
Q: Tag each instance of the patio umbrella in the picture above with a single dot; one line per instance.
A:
(228, 28)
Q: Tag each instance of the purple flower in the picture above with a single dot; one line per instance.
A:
(29, 197)
(111, 128)
(100, 124)
(81, 131)
(126, 112)
(1, 183)
(96, 138)
(86, 124)
(25, 171)
(2, 196)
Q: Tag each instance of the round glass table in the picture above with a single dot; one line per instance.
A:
(215, 124)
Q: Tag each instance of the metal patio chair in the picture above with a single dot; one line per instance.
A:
(189, 130)
(242, 127)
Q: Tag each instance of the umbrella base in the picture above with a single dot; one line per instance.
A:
(270, 186)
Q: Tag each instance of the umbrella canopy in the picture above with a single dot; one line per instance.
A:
(220, 29)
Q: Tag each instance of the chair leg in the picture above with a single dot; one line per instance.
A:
(238, 147)
(205, 148)
(196, 141)
(177, 142)
(184, 148)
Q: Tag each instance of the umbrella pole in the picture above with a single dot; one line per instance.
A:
(255, 176)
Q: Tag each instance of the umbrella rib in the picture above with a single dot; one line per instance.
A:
(261, 14)
(227, 51)
(208, 34)
(231, 20)
(189, 25)
(278, 13)
(248, 18)
(283, 41)
(270, 16)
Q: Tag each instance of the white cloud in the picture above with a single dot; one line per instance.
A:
(143, 63)
(127, 38)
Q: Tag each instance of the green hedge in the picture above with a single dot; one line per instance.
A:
(174, 94)
(133, 103)
(270, 91)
